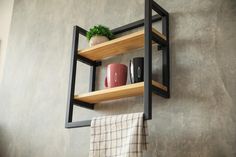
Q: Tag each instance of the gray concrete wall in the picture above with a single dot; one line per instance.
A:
(6, 8)
(198, 121)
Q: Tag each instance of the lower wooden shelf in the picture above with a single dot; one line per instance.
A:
(135, 89)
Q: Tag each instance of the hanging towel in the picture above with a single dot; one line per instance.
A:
(118, 136)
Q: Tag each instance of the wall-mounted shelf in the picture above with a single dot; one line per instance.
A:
(135, 89)
(93, 57)
(118, 46)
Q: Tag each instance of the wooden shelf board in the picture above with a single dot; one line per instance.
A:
(135, 89)
(117, 46)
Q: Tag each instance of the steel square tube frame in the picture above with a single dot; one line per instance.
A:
(165, 49)
(148, 87)
(134, 25)
(149, 37)
(71, 91)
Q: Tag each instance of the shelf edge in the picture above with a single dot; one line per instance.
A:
(129, 90)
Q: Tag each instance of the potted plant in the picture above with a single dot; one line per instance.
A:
(98, 34)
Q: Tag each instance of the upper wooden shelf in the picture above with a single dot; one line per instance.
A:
(117, 46)
(135, 89)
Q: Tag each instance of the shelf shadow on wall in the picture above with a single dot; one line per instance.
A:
(3, 142)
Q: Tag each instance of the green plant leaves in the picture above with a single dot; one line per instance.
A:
(99, 30)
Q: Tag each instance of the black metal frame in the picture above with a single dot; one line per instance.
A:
(148, 87)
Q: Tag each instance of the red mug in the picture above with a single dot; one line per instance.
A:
(116, 75)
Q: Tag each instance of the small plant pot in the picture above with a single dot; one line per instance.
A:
(97, 40)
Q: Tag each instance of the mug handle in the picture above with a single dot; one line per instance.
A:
(130, 76)
(105, 82)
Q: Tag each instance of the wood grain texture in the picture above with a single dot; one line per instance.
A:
(117, 46)
(116, 92)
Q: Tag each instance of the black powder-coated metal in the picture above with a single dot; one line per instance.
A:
(69, 110)
(134, 25)
(159, 91)
(164, 46)
(83, 104)
(158, 39)
(84, 123)
(87, 61)
(74, 57)
(148, 60)
(148, 87)
(166, 55)
(82, 31)
(157, 8)
(92, 78)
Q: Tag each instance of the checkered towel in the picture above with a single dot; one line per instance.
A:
(118, 136)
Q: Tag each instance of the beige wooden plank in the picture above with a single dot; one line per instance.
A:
(116, 92)
(159, 85)
(117, 46)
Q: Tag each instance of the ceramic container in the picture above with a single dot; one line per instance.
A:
(97, 40)
(116, 75)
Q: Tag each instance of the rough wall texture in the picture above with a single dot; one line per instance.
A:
(198, 121)
(6, 8)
